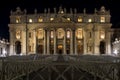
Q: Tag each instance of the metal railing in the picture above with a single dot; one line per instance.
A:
(64, 67)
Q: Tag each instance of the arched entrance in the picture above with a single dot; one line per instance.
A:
(60, 49)
(40, 49)
(102, 47)
(18, 47)
(80, 49)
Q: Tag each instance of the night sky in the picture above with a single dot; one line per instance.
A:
(40, 5)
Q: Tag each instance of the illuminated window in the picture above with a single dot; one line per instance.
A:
(68, 19)
(30, 20)
(17, 19)
(40, 20)
(102, 19)
(51, 34)
(79, 34)
(68, 34)
(61, 11)
(79, 19)
(89, 20)
(40, 34)
(18, 35)
(51, 19)
(102, 34)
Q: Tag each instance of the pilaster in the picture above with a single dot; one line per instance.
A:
(64, 43)
(48, 42)
(71, 43)
(34, 37)
(55, 42)
(44, 52)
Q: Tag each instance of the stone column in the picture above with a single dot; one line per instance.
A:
(48, 42)
(34, 37)
(85, 43)
(64, 43)
(23, 44)
(55, 42)
(71, 42)
(108, 47)
(96, 42)
(75, 43)
(44, 52)
(11, 43)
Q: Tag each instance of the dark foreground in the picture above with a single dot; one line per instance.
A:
(60, 67)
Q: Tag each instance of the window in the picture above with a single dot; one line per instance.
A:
(102, 34)
(51, 34)
(18, 35)
(61, 11)
(51, 19)
(18, 19)
(89, 20)
(68, 19)
(30, 20)
(79, 19)
(79, 34)
(102, 19)
(68, 34)
(40, 20)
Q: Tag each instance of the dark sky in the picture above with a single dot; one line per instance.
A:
(30, 5)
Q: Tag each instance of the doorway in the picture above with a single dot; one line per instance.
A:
(18, 47)
(102, 47)
(80, 49)
(60, 49)
(40, 49)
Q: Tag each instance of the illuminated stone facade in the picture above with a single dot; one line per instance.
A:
(4, 47)
(116, 42)
(60, 32)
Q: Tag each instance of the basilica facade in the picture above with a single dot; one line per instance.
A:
(60, 31)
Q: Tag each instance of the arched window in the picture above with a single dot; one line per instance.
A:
(18, 19)
(102, 19)
(18, 34)
(68, 34)
(51, 34)
(102, 34)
